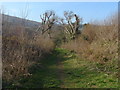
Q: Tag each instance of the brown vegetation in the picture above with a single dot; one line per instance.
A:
(21, 50)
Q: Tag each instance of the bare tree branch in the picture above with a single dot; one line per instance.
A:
(48, 20)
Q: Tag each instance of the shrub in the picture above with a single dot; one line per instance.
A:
(20, 53)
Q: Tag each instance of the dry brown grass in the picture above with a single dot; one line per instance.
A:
(45, 43)
(19, 53)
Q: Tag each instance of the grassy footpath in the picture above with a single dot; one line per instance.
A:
(76, 73)
(80, 73)
(45, 73)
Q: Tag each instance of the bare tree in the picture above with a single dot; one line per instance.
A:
(71, 23)
(48, 20)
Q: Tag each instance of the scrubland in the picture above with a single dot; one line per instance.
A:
(30, 57)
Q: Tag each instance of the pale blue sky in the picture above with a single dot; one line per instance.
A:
(87, 10)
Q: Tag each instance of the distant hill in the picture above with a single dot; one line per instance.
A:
(19, 21)
(12, 25)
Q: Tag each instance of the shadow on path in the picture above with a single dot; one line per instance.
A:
(47, 73)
